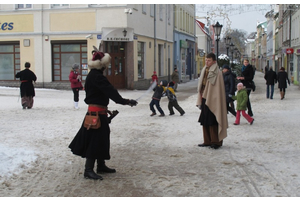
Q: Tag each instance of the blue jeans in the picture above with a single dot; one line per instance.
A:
(156, 103)
(268, 91)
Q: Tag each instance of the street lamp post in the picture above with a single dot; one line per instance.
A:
(232, 50)
(217, 30)
(227, 43)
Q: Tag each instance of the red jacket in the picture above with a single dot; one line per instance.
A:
(75, 83)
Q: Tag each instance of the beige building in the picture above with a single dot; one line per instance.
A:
(52, 37)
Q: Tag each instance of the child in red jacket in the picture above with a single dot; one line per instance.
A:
(76, 85)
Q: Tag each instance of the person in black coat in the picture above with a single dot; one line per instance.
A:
(247, 80)
(26, 88)
(229, 82)
(94, 144)
(282, 78)
(271, 79)
(158, 92)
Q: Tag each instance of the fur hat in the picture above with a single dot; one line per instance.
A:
(100, 60)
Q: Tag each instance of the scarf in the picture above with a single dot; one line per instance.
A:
(243, 68)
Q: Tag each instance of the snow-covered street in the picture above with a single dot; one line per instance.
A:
(154, 156)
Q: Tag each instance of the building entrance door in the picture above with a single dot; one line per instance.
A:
(116, 70)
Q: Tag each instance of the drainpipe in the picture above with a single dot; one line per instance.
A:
(154, 37)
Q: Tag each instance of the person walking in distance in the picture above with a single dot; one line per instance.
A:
(94, 144)
(27, 77)
(212, 102)
(282, 78)
(271, 80)
(241, 98)
(75, 79)
(247, 80)
(175, 78)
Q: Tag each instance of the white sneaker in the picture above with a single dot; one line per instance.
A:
(76, 105)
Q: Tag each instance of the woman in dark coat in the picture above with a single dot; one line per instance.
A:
(26, 88)
(94, 144)
(229, 82)
(246, 79)
(282, 78)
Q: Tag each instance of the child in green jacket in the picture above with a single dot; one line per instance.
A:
(241, 98)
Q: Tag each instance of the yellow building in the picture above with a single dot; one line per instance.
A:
(52, 37)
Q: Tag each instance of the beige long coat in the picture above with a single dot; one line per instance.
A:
(214, 93)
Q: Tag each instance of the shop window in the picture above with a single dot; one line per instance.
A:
(64, 56)
(141, 60)
(10, 61)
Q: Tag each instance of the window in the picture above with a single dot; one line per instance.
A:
(10, 61)
(64, 56)
(141, 60)
(22, 6)
(144, 8)
(59, 5)
(152, 10)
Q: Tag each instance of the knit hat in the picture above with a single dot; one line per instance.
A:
(240, 84)
(164, 83)
(225, 67)
(100, 60)
(154, 72)
(171, 84)
(75, 66)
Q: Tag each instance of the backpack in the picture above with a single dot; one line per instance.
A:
(170, 96)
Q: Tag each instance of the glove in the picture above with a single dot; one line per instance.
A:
(132, 102)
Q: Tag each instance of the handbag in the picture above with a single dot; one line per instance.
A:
(92, 121)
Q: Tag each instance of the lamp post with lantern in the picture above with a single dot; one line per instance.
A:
(217, 29)
(227, 43)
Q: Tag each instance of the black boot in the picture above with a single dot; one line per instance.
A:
(89, 170)
(102, 168)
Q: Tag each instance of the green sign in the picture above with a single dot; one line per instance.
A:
(183, 44)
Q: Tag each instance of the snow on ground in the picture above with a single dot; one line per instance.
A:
(153, 156)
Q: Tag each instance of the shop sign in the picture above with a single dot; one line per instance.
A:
(289, 51)
(183, 44)
(6, 26)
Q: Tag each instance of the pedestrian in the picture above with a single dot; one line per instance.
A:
(241, 105)
(282, 78)
(247, 80)
(266, 69)
(271, 80)
(154, 77)
(173, 100)
(212, 102)
(229, 82)
(175, 78)
(94, 144)
(158, 92)
(75, 79)
(27, 92)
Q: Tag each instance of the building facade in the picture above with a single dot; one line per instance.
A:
(52, 37)
(185, 48)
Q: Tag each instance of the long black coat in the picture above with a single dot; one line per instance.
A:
(26, 77)
(95, 143)
(229, 82)
(271, 77)
(282, 77)
(248, 74)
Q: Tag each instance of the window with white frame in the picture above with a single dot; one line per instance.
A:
(59, 5)
(23, 6)
(144, 8)
(152, 10)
